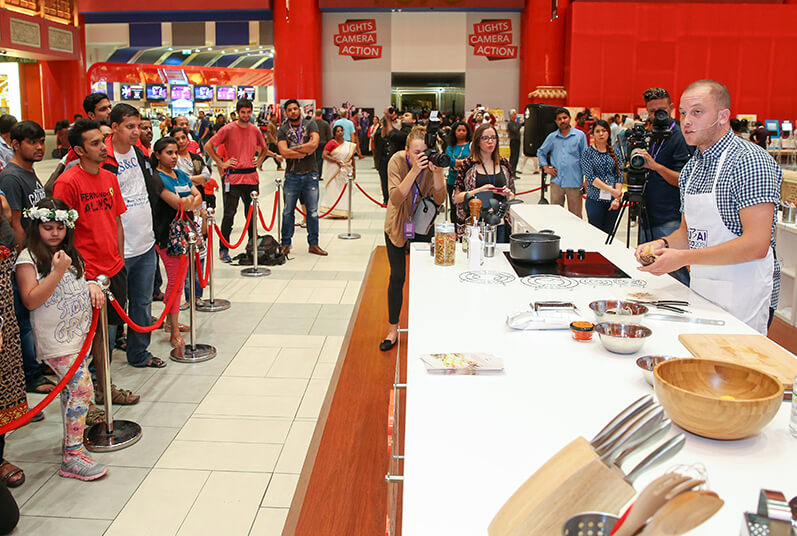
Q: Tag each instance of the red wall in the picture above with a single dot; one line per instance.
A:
(617, 50)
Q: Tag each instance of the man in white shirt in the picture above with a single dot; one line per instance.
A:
(616, 128)
(6, 151)
(134, 171)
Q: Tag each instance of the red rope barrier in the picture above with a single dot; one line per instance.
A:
(204, 280)
(240, 241)
(325, 214)
(273, 213)
(369, 197)
(178, 290)
(529, 191)
(24, 419)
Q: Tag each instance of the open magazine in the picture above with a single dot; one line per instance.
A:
(463, 363)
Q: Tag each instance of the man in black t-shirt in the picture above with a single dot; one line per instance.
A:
(760, 135)
(297, 140)
(21, 186)
(325, 134)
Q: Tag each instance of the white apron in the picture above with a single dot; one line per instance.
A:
(743, 289)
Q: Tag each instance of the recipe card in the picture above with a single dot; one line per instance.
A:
(467, 363)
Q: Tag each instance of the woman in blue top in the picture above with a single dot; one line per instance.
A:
(458, 150)
(603, 177)
(178, 190)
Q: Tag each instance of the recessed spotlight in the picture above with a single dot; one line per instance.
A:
(209, 48)
(261, 46)
(247, 48)
(170, 48)
(196, 50)
(236, 50)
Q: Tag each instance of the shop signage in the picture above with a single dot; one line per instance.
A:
(357, 39)
(493, 39)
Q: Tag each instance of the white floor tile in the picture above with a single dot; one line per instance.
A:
(269, 522)
(294, 363)
(252, 361)
(294, 452)
(236, 430)
(313, 399)
(280, 490)
(220, 456)
(48, 526)
(227, 504)
(249, 406)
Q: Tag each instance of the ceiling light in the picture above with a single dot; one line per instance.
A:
(197, 50)
(261, 46)
(247, 48)
(209, 48)
(170, 48)
(236, 50)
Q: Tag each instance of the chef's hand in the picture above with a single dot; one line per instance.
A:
(649, 162)
(550, 170)
(667, 260)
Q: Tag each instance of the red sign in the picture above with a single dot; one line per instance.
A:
(357, 39)
(493, 39)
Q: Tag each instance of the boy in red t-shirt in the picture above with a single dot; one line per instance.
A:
(95, 194)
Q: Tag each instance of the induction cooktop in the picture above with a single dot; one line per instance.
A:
(571, 263)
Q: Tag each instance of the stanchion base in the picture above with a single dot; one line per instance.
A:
(125, 433)
(213, 306)
(193, 354)
(253, 271)
(348, 236)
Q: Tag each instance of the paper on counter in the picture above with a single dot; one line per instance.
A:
(543, 319)
(468, 363)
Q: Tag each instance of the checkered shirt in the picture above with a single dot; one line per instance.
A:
(749, 176)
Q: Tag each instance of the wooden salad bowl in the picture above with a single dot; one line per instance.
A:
(717, 399)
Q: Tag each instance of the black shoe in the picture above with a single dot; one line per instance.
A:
(387, 344)
(120, 343)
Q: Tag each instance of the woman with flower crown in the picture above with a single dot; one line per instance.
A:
(52, 285)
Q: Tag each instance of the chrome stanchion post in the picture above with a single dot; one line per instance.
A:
(109, 435)
(255, 270)
(348, 235)
(212, 305)
(192, 353)
(278, 181)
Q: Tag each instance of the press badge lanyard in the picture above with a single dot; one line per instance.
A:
(661, 143)
(492, 181)
(296, 133)
(409, 225)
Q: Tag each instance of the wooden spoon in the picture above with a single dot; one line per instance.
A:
(683, 513)
(651, 499)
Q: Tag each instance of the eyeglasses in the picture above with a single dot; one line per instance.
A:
(488, 138)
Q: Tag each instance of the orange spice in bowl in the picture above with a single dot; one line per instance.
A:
(582, 330)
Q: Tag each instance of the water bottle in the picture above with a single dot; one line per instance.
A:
(793, 420)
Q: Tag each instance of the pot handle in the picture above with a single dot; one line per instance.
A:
(524, 245)
(546, 231)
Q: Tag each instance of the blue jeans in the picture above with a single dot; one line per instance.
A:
(32, 368)
(197, 286)
(140, 278)
(599, 215)
(658, 231)
(307, 184)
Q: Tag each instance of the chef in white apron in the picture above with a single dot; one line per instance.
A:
(736, 276)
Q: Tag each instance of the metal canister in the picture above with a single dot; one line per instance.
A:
(445, 243)
(490, 233)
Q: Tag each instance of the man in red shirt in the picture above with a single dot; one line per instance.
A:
(246, 150)
(95, 194)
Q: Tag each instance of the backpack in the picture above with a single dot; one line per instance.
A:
(268, 253)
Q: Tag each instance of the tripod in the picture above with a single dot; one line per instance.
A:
(635, 202)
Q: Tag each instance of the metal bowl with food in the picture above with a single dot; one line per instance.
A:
(623, 312)
(647, 363)
(622, 338)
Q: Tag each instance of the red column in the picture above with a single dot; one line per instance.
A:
(542, 49)
(54, 90)
(297, 50)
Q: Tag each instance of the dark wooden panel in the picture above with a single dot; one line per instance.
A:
(783, 334)
(342, 490)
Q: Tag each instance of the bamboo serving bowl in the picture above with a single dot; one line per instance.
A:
(716, 399)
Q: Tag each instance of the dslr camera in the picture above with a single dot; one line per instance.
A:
(432, 129)
(639, 139)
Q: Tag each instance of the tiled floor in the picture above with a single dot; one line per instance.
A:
(224, 441)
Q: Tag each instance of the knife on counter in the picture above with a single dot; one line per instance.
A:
(674, 318)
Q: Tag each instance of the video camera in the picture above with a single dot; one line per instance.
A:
(639, 139)
(432, 129)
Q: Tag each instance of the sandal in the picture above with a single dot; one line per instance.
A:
(36, 385)
(8, 471)
(94, 415)
(119, 397)
(156, 362)
(167, 327)
(120, 344)
(178, 344)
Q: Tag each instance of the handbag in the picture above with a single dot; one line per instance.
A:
(177, 244)
(424, 216)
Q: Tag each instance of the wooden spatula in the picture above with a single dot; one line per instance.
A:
(683, 513)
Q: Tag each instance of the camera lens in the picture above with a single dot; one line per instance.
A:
(637, 161)
(438, 159)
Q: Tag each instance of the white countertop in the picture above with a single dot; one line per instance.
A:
(471, 441)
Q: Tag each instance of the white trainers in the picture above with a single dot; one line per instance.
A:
(82, 467)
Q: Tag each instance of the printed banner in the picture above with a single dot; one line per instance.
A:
(493, 39)
(357, 39)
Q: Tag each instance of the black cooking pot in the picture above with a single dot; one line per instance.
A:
(534, 247)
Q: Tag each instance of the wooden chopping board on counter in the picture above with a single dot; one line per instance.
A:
(755, 351)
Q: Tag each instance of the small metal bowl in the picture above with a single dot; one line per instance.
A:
(624, 312)
(622, 338)
(589, 524)
(647, 363)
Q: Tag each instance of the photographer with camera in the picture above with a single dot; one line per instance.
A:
(564, 148)
(416, 188)
(665, 157)
(394, 139)
(729, 192)
(484, 175)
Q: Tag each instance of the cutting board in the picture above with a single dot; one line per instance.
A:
(754, 351)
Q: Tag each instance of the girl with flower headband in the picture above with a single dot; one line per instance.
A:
(52, 285)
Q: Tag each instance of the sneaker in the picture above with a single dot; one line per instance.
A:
(185, 305)
(82, 467)
(224, 256)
